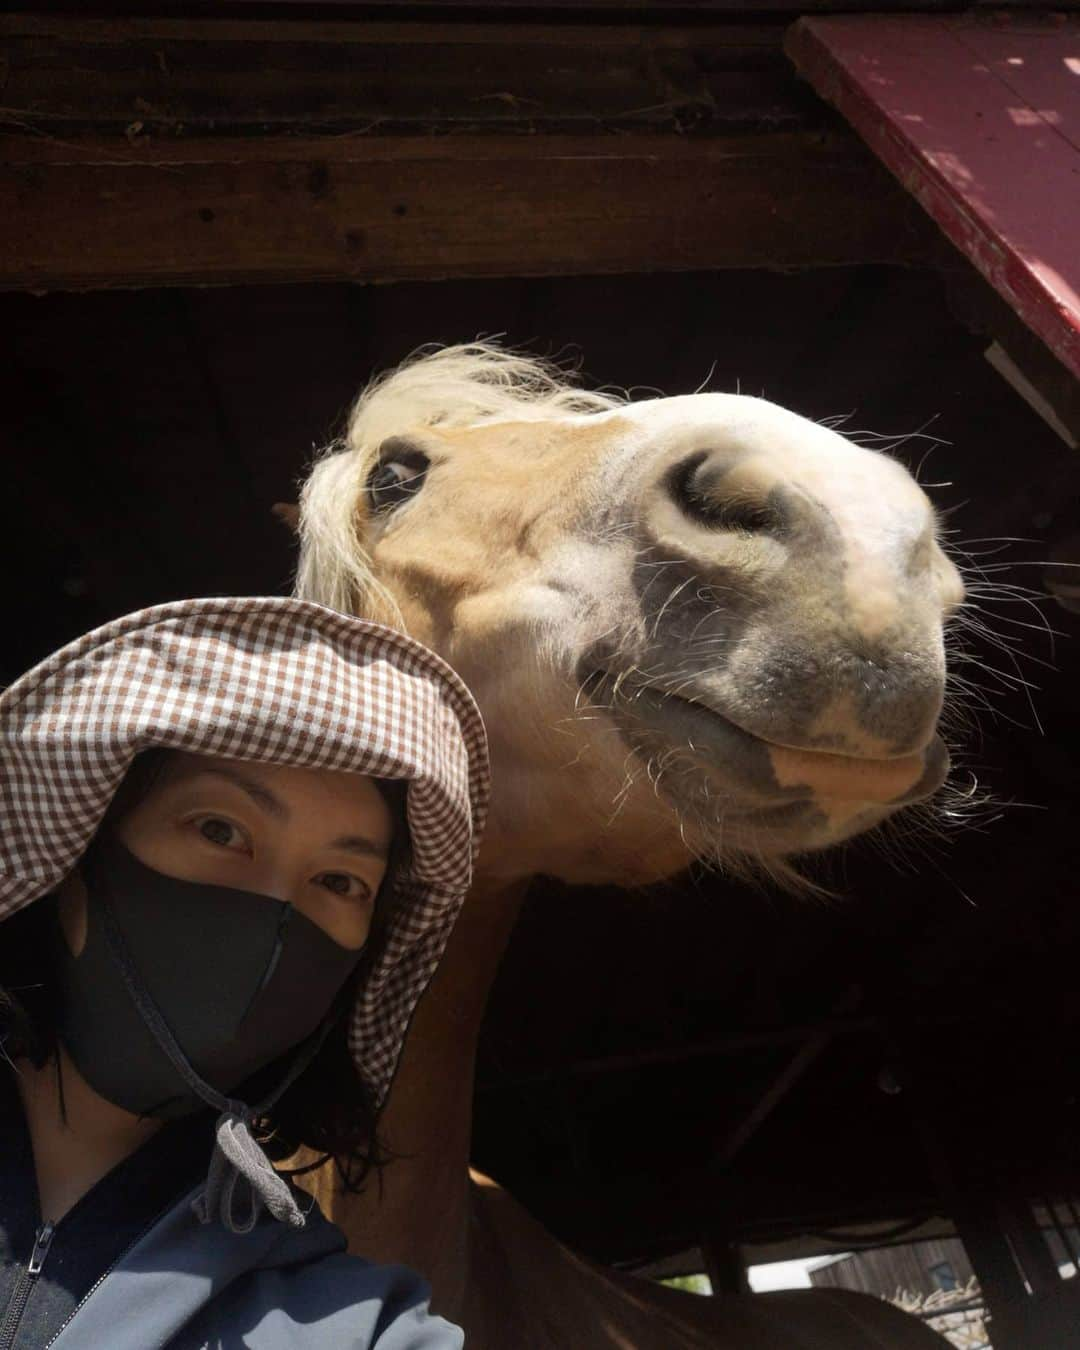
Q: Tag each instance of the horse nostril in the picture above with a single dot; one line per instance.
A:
(698, 491)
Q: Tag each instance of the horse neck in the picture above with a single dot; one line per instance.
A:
(434, 1078)
(473, 954)
(419, 1212)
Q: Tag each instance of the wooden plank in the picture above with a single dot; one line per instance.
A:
(83, 215)
(662, 8)
(904, 1265)
(234, 26)
(965, 114)
(1038, 60)
(979, 307)
(227, 77)
(160, 151)
(387, 31)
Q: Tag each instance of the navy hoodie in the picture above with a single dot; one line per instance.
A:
(129, 1267)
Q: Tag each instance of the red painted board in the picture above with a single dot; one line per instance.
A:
(979, 117)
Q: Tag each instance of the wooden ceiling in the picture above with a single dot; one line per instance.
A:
(163, 152)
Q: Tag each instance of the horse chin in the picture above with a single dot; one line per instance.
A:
(746, 831)
(741, 794)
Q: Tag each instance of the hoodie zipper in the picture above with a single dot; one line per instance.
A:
(25, 1286)
(106, 1273)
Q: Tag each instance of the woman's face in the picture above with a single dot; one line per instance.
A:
(313, 837)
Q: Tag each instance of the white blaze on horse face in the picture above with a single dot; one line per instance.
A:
(882, 517)
(880, 514)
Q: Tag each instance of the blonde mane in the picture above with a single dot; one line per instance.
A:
(457, 386)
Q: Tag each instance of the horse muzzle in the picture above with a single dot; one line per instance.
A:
(753, 770)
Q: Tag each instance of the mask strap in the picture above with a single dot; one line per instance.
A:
(241, 1181)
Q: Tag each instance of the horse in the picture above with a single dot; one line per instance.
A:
(698, 627)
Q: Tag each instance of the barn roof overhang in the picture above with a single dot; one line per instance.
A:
(140, 151)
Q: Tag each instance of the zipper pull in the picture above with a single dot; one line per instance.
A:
(42, 1243)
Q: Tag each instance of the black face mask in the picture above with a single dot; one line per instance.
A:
(237, 979)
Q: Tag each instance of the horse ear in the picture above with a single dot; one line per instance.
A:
(289, 515)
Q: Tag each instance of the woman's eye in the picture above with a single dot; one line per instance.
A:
(340, 883)
(219, 831)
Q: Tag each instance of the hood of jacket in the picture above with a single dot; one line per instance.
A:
(271, 680)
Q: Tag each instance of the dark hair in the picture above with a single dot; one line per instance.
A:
(26, 1007)
(329, 1109)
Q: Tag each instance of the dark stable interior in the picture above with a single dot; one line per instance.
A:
(702, 1060)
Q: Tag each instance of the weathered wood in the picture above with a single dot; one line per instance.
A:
(977, 117)
(904, 1265)
(84, 215)
(182, 78)
(165, 152)
(981, 308)
(647, 8)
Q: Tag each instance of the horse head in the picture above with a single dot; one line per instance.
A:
(696, 626)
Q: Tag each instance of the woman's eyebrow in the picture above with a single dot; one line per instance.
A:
(261, 796)
(274, 806)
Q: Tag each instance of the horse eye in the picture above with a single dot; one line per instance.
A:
(396, 478)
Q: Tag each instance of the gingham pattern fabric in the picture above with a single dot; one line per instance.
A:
(270, 679)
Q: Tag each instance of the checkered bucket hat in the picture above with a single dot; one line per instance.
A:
(273, 680)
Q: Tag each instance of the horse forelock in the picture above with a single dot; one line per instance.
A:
(465, 385)
(469, 384)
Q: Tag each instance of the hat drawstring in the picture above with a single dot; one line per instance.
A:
(241, 1182)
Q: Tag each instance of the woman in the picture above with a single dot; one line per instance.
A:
(236, 834)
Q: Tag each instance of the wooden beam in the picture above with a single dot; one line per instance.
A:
(82, 215)
(629, 9)
(782, 1084)
(184, 78)
(732, 1044)
(724, 1264)
(983, 309)
(154, 152)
